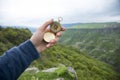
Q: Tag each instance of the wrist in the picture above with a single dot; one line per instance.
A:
(38, 46)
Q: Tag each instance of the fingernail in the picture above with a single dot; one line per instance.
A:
(48, 45)
(52, 41)
(63, 29)
(59, 34)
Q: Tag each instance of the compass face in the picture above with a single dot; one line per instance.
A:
(48, 36)
(55, 27)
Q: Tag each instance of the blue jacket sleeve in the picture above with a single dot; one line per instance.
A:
(14, 61)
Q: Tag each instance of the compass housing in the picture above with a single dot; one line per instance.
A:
(55, 27)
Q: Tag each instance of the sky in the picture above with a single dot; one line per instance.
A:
(36, 12)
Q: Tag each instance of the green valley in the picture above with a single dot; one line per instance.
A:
(86, 67)
(71, 51)
(102, 43)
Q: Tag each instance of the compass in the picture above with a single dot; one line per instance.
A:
(54, 28)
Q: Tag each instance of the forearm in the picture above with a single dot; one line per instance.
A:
(16, 60)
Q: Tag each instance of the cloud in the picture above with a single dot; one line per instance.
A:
(35, 12)
(98, 11)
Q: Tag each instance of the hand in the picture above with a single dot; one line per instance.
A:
(37, 37)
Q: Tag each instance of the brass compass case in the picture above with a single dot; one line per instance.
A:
(54, 28)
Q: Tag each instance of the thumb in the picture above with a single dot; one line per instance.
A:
(46, 24)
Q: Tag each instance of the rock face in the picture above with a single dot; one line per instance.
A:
(60, 79)
(69, 69)
(50, 70)
(59, 73)
(72, 70)
(32, 70)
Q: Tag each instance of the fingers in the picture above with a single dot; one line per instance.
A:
(48, 30)
(52, 42)
(60, 33)
(63, 29)
(46, 24)
(44, 27)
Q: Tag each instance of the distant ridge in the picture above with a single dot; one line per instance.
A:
(70, 24)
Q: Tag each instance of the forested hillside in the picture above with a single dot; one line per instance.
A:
(96, 25)
(10, 37)
(101, 41)
(86, 67)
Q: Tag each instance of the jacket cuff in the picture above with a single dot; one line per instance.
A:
(30, 49)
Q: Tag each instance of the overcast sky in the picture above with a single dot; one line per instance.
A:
(36, 12)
